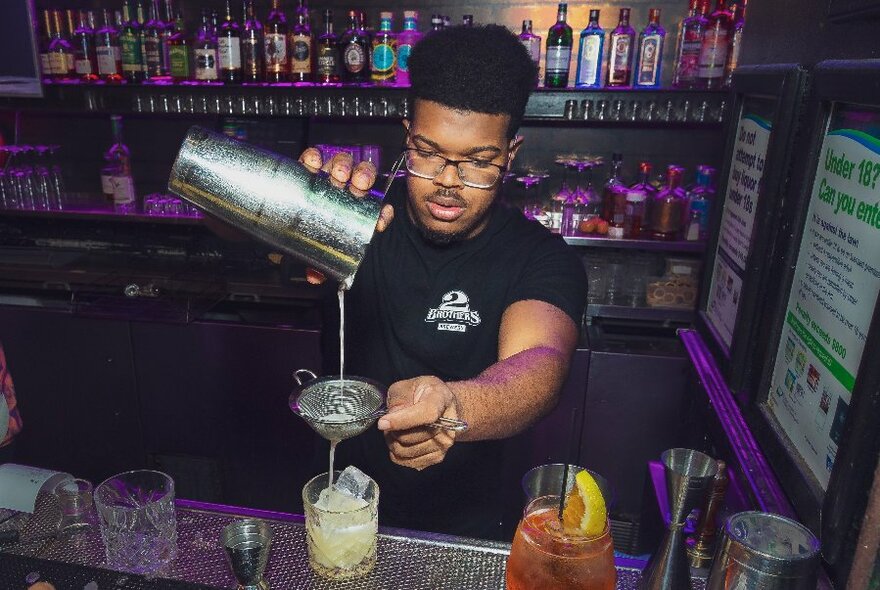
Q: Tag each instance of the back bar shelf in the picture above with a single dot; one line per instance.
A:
(570, 106)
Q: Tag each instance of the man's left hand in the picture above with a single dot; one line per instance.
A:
(414, 404)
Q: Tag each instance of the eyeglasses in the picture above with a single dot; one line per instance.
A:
(472, 173)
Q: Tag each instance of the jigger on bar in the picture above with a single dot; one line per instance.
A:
(688, 475)
(247, 543)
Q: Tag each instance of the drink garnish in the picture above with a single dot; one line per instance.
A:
(585, 512)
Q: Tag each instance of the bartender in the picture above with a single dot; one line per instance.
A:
(464, 307)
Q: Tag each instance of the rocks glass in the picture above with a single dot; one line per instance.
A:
(138, 523)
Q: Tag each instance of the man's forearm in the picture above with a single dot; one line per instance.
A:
(512, 394)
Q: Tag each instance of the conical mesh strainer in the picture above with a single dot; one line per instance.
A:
(338, 409)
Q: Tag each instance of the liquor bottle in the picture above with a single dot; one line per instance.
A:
(532, 44)
(169, 28)
(621, 42)
(559, 41)
(354, 51)
(72, 18)
(205, 52)
(107, 51)
(251, 45)
(739, 19)
(383, 62)
(229, 48)
(275, 45)
(45, 40)
(700, 199)
(650, 55)
(436, 22)
(130, 44)
(118, 165)
(713, 51)
(327, 71)
(690, 40)
(60, 51)
(301, 42)
(406, 40)
(157, 68)
(589, 65)
(140, 18)
(467, 20)
(667, 207)
(613, 185)
(179, 57)
(85, 61)
(447, 22)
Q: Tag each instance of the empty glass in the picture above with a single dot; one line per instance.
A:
(77, 507)
(138, 522)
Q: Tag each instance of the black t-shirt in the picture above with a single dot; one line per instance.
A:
(420, 309)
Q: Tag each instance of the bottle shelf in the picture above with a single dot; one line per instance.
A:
(568, 106)
(644, 314)
(648, 245)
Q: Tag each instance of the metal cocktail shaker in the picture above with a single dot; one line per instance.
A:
(276, 200)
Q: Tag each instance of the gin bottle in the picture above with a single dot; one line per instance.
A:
(559, 41)
(592, 43)
(650, 54)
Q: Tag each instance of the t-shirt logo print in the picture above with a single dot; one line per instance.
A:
(454, 313)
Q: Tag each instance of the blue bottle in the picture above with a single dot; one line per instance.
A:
(650, 56)
(592, 44)
(700, 198)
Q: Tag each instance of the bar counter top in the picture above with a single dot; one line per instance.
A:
(406, 559)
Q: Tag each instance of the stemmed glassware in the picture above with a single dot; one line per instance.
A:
(585, 192)
(532, 201)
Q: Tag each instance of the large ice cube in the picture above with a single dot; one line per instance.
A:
(353, 481)
(335, 500)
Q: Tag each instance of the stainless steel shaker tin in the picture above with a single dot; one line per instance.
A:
(762, 551)
(276, 200)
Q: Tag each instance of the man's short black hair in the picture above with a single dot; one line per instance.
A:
(482, 69)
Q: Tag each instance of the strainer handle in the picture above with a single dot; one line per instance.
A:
(299, 381)
(444, 423)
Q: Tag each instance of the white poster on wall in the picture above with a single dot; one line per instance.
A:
(737, 223)
(832, 300)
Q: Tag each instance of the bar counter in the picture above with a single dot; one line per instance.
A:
(406, 559)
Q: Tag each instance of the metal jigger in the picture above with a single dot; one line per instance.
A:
(688, 474)
(246, 543)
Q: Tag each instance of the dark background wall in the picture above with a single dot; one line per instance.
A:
(790, 31)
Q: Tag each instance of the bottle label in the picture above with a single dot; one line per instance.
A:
(123, 190)
(713, 54)
(275, 50)
(327, 65)
(354, 58)
(131, 53)
(557, 60)
(45, 65)
(250, 48)
(58, 63)
(689, 62)
(383, 60)
(403, 52)
(71, 62)
(107, 183)
(206, 64)
(621, 46)
(178, 55)
(533, 46)
(649, 61)
(153, 51)
(301, 54)
(83, 66)
(590, 60)
(106, 60)
(230, 53)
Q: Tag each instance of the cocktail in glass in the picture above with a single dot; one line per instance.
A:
(544, 555)
(340, 531)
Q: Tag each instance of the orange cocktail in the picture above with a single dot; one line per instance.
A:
(545, 554)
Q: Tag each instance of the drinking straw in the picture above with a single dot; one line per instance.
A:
(569, 459)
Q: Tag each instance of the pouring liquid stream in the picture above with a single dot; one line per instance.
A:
(341, 294)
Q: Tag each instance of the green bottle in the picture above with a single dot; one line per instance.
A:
(558, 55)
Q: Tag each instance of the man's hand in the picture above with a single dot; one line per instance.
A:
(358, 180)
(413, 404)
